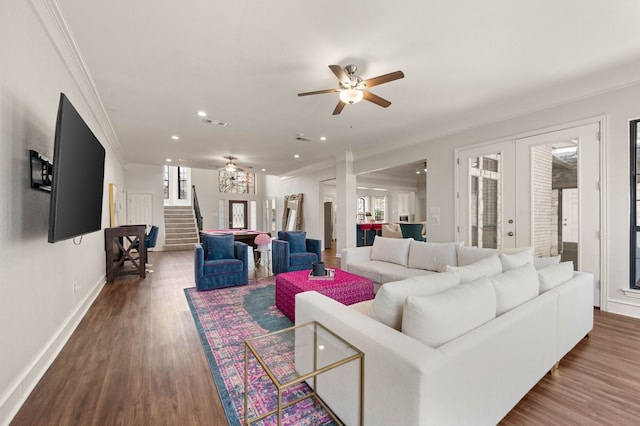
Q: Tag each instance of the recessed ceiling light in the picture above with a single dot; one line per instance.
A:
(175, 137)
(168, 160)
(202, 114)
(323, 138)
(296, 155)
(264, 170)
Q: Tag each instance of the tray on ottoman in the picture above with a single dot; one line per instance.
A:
(345, 288)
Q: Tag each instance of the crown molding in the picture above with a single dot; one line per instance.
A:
(54, 24)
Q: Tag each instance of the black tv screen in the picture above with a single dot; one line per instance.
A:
(78, 177)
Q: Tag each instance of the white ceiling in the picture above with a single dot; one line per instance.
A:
(156, 63)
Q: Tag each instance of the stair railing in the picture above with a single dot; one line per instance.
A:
(196, 209)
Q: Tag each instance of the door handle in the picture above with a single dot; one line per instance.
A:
(510, 234)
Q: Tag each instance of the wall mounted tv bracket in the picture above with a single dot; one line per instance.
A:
(41, 172)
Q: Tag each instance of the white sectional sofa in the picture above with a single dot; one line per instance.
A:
(457, 348)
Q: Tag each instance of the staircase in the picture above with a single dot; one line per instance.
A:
(180, 229)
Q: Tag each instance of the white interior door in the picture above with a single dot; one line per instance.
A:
(139, 209)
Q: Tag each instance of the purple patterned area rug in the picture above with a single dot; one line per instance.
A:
(225, 318)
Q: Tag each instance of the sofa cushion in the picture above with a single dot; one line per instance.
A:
(220, 246)
(482, 268)
(388, 303)
(543, 262)
(397, 273)
(469, 255)
(437, 319)
(554, 275)
(393, 250)
(515, 287)
(432, 256)
(222, 266)
(305, 258)
(510, 261)
(297, 241)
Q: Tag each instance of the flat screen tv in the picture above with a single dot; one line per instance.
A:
(78, 177)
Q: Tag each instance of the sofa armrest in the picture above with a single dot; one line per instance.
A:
(397, 367)
(314, 246)
(354, 255)
(198, 262)
(575, 311)
(241, 252)
(279, 256)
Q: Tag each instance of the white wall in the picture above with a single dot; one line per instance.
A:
(312, 205)
(146, 179)
(38, 308)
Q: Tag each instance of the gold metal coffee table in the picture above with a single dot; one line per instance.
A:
(296, 354)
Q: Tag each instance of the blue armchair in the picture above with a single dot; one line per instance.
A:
(221, 262)
(293, 251)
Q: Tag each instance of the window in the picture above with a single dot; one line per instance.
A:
(634, 262)
(361, 208)
(379, 207)
(165, 188)
(182, 183)
(236, 182)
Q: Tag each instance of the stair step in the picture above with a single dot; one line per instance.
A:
(189, 233)
(175, 247)
(191, 240)
(179, 220)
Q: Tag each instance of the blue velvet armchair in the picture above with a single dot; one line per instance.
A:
(293, 251)
(221, 262)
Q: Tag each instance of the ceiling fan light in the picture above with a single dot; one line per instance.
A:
(230, 167)
(351, 96)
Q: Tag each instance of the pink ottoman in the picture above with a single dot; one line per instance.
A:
(346, 288)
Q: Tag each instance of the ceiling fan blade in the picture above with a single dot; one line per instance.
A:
(376, 99)
(381, 79)
(342, 76)
(318, 92)
(339, 108)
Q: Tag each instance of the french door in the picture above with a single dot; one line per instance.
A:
(539, 191)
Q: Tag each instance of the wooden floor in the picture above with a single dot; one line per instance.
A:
(136, 359)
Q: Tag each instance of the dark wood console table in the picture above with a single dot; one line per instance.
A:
(122, 257)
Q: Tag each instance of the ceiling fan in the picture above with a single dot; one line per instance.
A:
(352, 87)
(232, 166)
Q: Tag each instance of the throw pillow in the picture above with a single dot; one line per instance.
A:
(510, 261)
(482, 268)
(554, 275)
(515, 287)
(437, 319)
(432, 256)
(392, 250)
(297, 241)
(469, 255)
(543, 262)
(220, 246)
(387, 305)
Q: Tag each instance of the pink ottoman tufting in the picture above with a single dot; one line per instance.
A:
(345, 288)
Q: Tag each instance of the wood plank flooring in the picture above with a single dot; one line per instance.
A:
(136, 359)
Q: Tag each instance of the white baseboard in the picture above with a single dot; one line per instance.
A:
(626, 308)
(27, 381)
